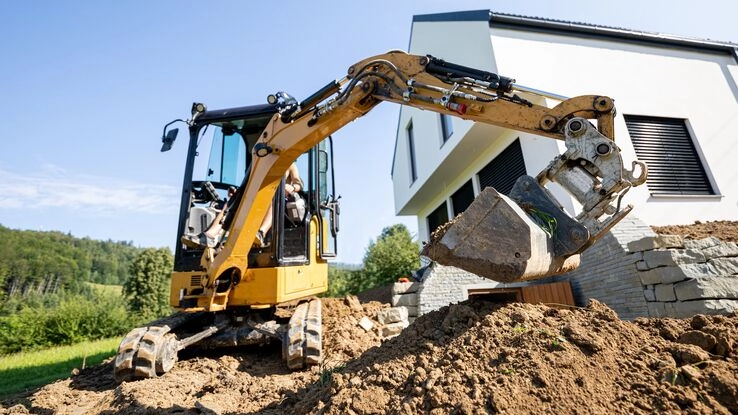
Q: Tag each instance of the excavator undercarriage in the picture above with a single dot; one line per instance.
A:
(151, 351)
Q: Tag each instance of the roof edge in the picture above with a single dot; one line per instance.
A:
(515, 21)
(460, 16)
(551, 25)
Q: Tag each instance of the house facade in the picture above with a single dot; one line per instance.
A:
(677, 103)
(677, 111)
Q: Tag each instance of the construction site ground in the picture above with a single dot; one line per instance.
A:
(475, 357)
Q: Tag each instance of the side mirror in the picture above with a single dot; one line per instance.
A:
(168, 139)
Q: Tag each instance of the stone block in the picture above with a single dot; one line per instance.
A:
(667, 275)
(650, 276)
(664, 292)
(725, 266)
(649, 293)
(405, 300)
(649, 243)
(405, 287)
(412, 311)
(392, 330)
(701, 243)
(632, 257)
(392, 315)
(726, 250)
(669, 241)
(672, 257)
(710, 287)
(642, 266)
(644, 244)
(682, 309)
(656, 310)
(366, 324)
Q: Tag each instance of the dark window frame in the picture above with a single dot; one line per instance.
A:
(669, 149)
(462, 198)
(411, 152)
(447, 128)
(440, 215)
(503, 171)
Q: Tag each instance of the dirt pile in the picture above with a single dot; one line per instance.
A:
(242, 381)
(726, 231)
(478, 358)
(475, 357)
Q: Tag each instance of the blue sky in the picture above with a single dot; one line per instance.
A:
(87, 86)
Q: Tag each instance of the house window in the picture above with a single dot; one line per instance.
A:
(437, 218)
(462, 198)
(447, 127)
(411, 152)
(665, 145)
(502, 172)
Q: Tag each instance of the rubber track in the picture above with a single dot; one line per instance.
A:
(304, 344)
(136, 358)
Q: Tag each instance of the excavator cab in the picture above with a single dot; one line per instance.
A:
(220, 158)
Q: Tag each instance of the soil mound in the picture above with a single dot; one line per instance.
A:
(726, 231)
(479, 357)
(475, 357)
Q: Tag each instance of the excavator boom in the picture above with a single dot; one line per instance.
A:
(591, 169)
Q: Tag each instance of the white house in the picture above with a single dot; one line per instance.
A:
(677, 103)
(676, 100)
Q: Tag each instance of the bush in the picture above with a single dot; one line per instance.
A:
(63, 319)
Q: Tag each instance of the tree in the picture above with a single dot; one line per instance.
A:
(340, 280)
(392, 256)
(147, 288)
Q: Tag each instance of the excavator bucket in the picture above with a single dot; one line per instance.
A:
(509, 240)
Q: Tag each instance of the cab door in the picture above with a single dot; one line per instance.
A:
(326, 200)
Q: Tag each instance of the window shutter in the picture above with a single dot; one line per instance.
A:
(664, 144)
(502, 172)
(437, 218)
(462, 198)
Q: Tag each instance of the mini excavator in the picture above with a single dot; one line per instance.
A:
(235, 291)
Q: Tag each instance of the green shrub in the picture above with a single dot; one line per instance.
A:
(63, 320)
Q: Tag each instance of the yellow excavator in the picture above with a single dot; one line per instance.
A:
(232, 291)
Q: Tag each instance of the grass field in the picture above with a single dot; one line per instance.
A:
(103, 288)
(23, 371)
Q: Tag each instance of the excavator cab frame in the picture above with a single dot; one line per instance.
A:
(231, 135)
(293, 262)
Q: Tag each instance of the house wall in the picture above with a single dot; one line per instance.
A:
(644, 79)
(430, 150)
(652, 78)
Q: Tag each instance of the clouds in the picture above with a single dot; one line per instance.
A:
(53, 187)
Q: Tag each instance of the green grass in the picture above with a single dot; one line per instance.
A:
(23, 371)
(106, 289)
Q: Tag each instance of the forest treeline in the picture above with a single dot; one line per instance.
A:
(56, 289)
(43, 262)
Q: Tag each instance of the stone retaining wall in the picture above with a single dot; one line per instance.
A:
(683, 277)
(608, 272)
(631, 269)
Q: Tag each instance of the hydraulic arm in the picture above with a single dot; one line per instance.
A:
(591, 169)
